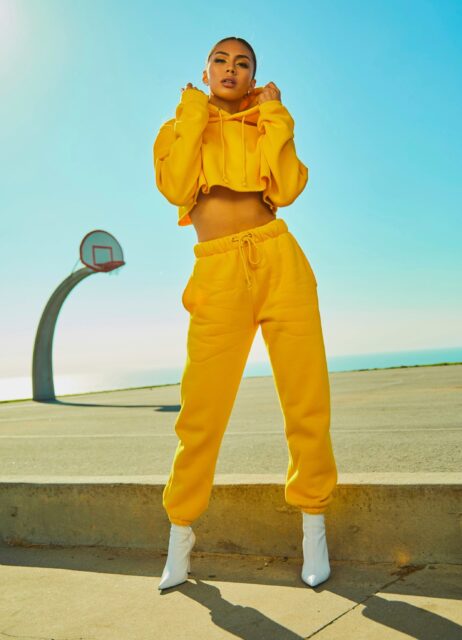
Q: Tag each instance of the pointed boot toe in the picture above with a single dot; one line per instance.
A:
(178, 565)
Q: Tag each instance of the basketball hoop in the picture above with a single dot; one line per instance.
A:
(100, 251)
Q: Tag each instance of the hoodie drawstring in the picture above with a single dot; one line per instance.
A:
(244, 176)
(223, 175)
(248, 238)
(223, 167)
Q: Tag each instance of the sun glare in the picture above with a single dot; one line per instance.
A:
(9, 33)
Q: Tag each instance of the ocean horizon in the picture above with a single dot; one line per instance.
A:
(20, 387)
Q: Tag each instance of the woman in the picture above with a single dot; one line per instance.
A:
(228, 161)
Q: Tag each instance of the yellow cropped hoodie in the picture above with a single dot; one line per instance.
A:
(250, 150)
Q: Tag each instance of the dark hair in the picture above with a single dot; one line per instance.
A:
(244, 42)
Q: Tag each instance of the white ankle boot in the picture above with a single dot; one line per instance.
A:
(178, 565)
(316, 567)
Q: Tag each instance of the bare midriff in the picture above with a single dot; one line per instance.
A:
(224, 211)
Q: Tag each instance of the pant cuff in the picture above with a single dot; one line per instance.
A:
(183, 523)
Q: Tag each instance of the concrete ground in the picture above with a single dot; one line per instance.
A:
(385, 421)
(395, 420)
(112, 594)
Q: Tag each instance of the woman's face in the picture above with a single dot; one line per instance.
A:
(230, 60)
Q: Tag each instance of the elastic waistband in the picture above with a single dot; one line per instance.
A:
(233, 241)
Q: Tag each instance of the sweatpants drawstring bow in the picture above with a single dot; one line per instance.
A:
(248, 237)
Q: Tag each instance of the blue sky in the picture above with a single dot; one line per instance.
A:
(374, 89)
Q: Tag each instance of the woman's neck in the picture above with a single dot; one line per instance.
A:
(230, 106)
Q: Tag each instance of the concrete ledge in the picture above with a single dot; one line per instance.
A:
(381, 517)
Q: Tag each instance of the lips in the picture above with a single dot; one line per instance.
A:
(228, 82)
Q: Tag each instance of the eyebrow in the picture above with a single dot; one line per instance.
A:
(227, 54)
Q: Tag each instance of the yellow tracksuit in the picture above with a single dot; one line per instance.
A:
(251, 150)
(257, 277)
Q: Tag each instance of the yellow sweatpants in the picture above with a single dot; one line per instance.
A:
(257, 277)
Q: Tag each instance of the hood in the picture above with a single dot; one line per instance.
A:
(250, 112)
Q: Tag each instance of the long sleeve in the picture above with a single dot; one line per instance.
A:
(177, 148)
(287, 175)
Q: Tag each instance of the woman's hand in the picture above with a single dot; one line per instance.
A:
(269, 92)
(259, 95)
(190, 86)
